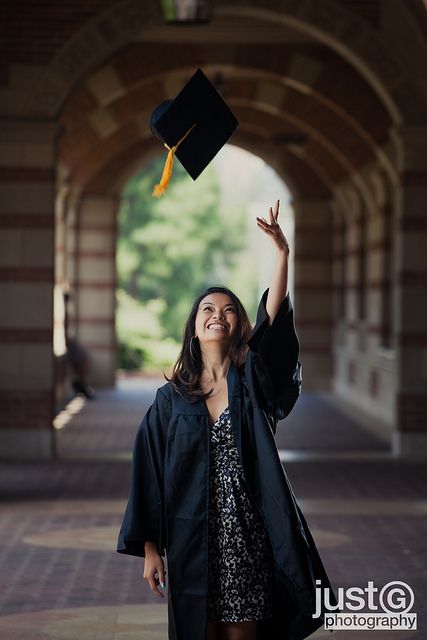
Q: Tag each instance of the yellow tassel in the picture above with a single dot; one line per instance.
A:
(160, 188)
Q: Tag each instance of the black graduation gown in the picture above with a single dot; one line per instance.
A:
(168, 498)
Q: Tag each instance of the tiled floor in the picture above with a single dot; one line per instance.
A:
(62, 579)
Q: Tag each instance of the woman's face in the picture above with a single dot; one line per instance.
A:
(216, 319)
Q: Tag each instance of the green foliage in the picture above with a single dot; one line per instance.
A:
(169, 249)
(142, 340)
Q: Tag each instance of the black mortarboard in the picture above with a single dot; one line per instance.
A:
(194, 127)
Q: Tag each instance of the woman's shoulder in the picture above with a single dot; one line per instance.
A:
(164, 392)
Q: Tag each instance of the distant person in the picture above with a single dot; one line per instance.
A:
(208, 489)
(78, 358)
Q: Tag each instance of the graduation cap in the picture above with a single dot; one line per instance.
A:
(194, 127)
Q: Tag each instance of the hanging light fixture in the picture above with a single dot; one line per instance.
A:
(187, 11)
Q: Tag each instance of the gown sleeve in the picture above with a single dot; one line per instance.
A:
(273, 359)
(143, 519)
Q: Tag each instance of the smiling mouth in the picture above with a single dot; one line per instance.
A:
(216, 326)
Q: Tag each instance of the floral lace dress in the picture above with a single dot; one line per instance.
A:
(240, 559)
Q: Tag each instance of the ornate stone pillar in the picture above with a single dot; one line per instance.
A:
(27, 161)
(313, 290)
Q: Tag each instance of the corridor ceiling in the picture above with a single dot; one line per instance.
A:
(277, 79)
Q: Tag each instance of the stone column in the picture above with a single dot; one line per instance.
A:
(410, 436)
(27, 160)
(94, 286)
(364, 368)
(313, 290)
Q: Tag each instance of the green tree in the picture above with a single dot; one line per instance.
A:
(169, 249)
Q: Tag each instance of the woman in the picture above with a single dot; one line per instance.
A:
(207, 484)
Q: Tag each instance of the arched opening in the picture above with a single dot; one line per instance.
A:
(315, 139)
(200, 234)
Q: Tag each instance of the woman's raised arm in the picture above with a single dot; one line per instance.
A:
(274, 347)
(279, 283)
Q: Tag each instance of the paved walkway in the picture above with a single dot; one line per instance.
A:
(62, 579)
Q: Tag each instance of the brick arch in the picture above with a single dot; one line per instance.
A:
(302, 175)
(329, 22)
(144, 93)
(297, 175)
(338, 146)
(94, 176)
(302, 74)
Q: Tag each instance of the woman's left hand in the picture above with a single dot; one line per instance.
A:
(274, 230)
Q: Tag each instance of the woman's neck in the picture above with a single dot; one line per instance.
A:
(216, 363)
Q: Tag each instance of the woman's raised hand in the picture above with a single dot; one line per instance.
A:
(273, 229)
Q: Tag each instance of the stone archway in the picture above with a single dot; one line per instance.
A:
(288, 66)
(329, 23)
(258, 96)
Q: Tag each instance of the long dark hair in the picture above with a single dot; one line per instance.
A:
(187, 370)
